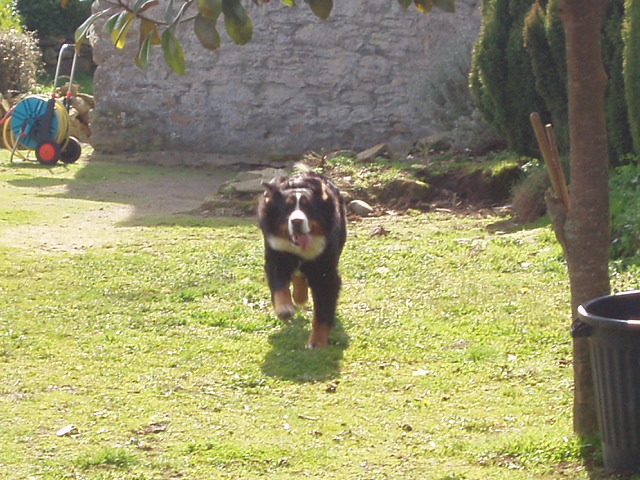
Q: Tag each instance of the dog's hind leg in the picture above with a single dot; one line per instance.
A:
(325, 288)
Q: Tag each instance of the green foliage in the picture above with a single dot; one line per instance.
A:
(625, 211)
(616, 107)
(509, 87)
(48, 19)
(550, 77)
(501, 78)
(8, 18)
(631, 67)
(20, 61)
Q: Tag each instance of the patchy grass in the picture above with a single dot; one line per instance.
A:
(451, 359)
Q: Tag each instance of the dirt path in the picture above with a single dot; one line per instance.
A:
(80, 214)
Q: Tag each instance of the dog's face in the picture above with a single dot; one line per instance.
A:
(294, 214)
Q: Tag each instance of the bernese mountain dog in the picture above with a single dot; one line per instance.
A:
(303, 220)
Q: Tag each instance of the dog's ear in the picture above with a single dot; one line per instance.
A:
(321, 189)
(271, 191)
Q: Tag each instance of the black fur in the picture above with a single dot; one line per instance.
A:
(315, 255)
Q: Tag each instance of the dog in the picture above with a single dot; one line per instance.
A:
(303, 221)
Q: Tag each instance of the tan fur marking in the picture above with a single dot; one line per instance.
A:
(300, 289)
(283, 305)
(319, 337)
(325, 192)
(315, 228)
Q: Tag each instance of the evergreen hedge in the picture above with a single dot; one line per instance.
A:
(631, 67)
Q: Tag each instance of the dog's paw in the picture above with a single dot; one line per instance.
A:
(319, 337)
(285, 312)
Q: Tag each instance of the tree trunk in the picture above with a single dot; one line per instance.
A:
(585, 228)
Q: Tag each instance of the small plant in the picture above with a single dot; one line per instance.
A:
(108, 457)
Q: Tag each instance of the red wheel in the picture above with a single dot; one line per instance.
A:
(48, 152)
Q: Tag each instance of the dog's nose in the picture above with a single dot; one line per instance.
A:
(297, 222)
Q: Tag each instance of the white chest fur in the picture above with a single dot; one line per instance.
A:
(315, 247)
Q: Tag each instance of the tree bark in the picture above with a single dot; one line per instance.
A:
(585, 227)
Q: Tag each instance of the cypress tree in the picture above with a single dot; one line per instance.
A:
(550, 77)
(502, 80)
(631, 67)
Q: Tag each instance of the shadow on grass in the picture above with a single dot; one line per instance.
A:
(289, 359)
(158, 194)
(510, 226)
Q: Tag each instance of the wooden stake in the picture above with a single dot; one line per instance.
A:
(549, 150)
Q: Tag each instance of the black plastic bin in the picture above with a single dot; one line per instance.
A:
(614, 322)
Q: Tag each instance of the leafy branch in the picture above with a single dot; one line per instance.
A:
(154, 31)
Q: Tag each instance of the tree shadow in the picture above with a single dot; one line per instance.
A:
(151, 192)
(511, 226)
(289, 359)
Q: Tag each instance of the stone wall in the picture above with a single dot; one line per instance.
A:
(300, 84)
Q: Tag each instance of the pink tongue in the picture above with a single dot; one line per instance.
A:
(303, 241)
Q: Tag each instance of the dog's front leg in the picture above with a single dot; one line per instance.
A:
(279, 268)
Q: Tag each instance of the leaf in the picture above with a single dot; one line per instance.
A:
(404, 3)
(289, 3)
(120, 29)
(83, 30)
(322, 8)
(168, 13)
(142, 57)
(210, 9)
(423, 6)
(142, 5)
(173, 54)
(146, 27)
(206, 32)
(448, 6)
(237, 22)
(110, 24)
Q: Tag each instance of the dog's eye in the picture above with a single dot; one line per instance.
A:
(291, 201)
(304, 201)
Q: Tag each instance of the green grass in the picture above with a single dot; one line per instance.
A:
(451, 359)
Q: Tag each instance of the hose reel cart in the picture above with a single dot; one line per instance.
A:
(41, 124)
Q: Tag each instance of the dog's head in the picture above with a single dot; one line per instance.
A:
(296, 213)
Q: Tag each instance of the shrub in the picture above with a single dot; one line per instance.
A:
(501, 79)
(49, 19)
(618, 131)
(625, 211)
(470, 133)
(550, 77)
(20, 61)
(442, 93)
(528, 196)
(631, 68)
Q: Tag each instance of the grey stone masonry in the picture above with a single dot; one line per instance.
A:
(300, 84)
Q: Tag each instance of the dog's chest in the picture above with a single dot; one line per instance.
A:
(315, 247)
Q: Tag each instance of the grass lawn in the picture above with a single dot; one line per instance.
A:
(157, 342)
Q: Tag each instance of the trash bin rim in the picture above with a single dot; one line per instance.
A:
(607, 322)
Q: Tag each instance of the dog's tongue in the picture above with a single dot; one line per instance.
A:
(303, 240)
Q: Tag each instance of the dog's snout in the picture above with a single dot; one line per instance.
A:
(298, 222)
